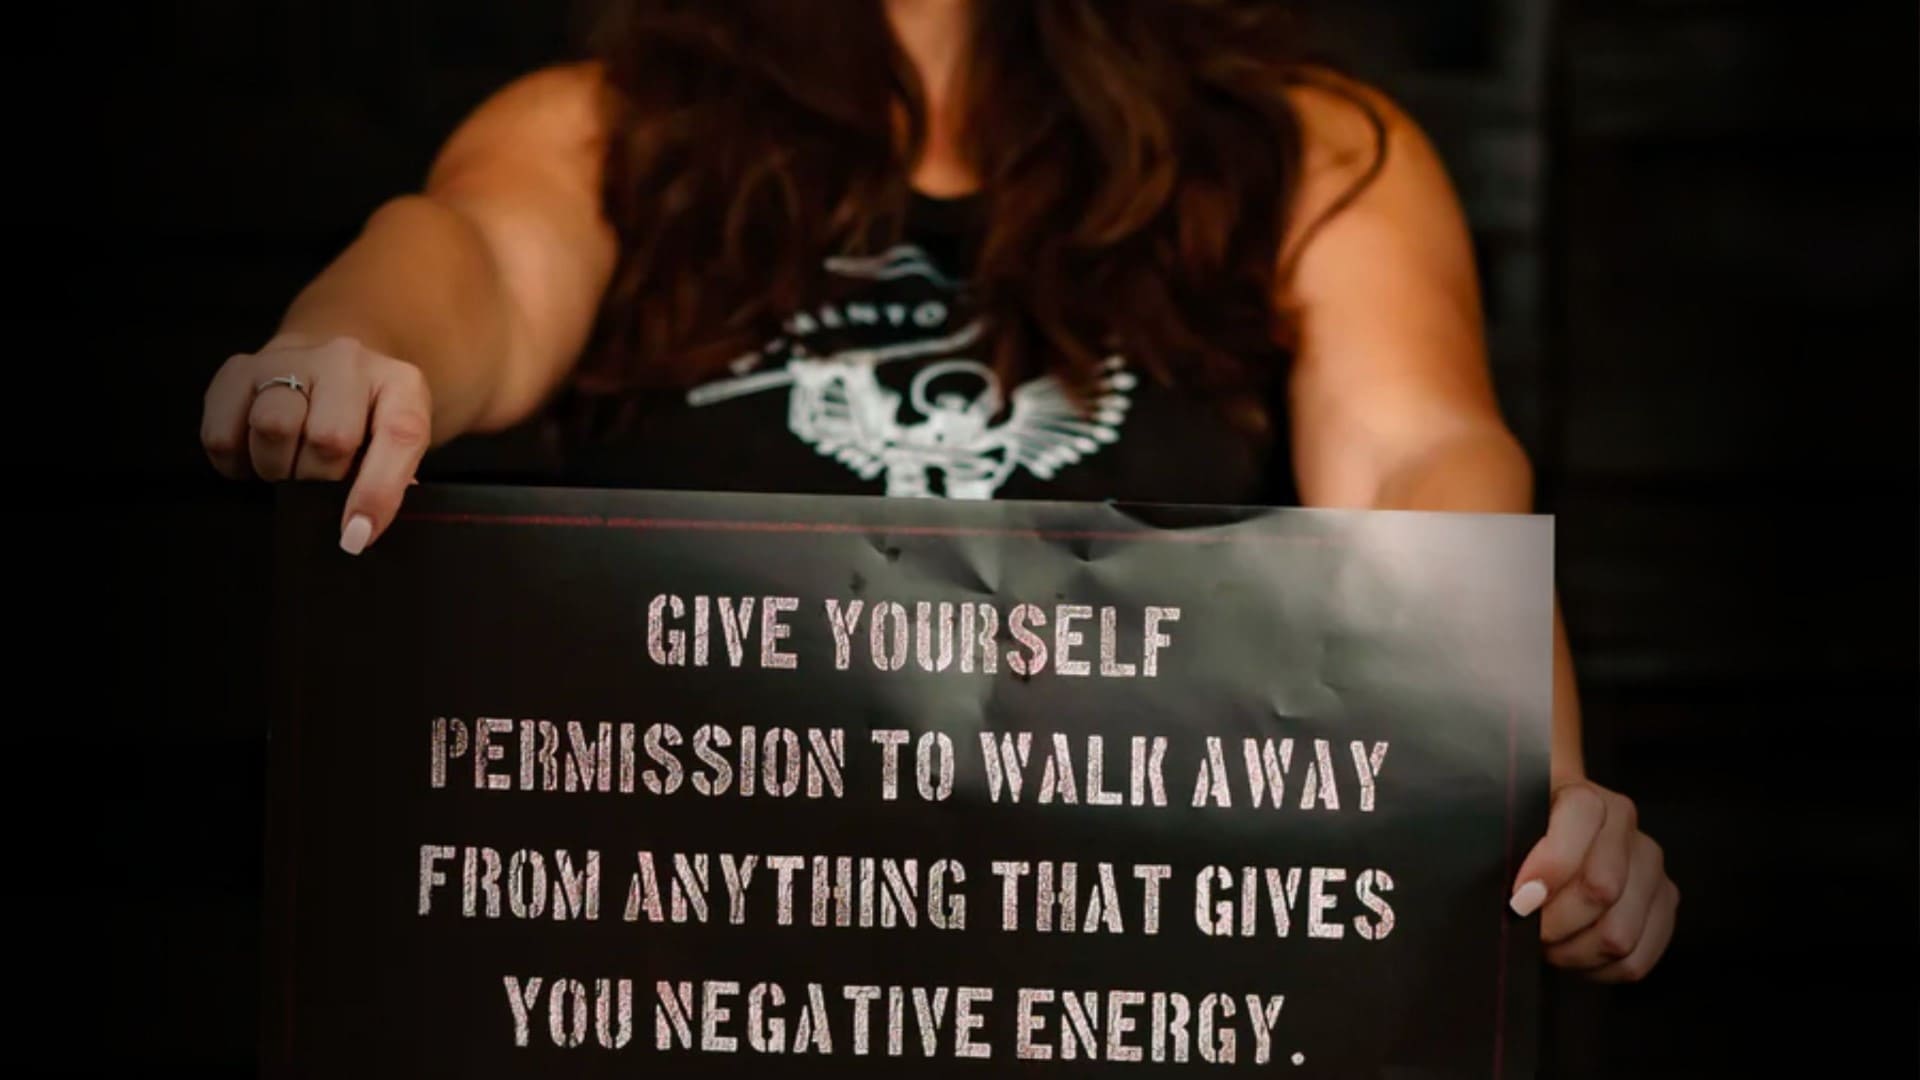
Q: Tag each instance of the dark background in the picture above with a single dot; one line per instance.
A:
(1698, 234)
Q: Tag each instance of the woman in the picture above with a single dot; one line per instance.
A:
(1070, 249)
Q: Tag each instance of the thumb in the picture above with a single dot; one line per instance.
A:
(1578, 812)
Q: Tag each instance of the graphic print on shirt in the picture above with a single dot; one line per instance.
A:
(889, 386)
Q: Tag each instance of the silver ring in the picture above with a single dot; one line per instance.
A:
(291, 382)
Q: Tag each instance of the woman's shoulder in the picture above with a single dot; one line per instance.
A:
(575, 88)
(1368, 170)
(558, 109)
(1345, 120)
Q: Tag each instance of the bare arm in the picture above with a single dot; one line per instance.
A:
(458, 308)
(1394, 408)
(1394, 405)
(486, 280)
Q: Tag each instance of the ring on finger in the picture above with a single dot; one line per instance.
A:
(291, 382)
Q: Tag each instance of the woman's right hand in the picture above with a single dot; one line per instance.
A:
(357, 411)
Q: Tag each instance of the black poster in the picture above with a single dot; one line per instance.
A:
(586, 783)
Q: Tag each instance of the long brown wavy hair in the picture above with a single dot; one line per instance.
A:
(1137, 160)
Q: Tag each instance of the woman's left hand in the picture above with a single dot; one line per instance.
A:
(1600, 885)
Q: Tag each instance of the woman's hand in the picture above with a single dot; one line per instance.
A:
(1600, 884)
(352, 403)
(488, 281)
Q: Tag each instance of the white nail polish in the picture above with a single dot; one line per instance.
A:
(1528, 898)
(353, 538)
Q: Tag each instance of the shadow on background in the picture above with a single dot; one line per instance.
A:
(1696, 222)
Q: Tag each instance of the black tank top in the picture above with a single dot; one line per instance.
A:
(886, 389)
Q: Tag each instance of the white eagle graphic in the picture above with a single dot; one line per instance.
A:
(838, 405)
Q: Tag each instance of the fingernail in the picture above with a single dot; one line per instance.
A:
(1528, 898)
(353, 538)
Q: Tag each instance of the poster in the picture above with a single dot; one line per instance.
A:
(592, 783)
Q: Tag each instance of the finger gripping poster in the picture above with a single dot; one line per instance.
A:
(594, 783)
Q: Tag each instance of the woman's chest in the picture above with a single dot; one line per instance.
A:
(887, 389)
